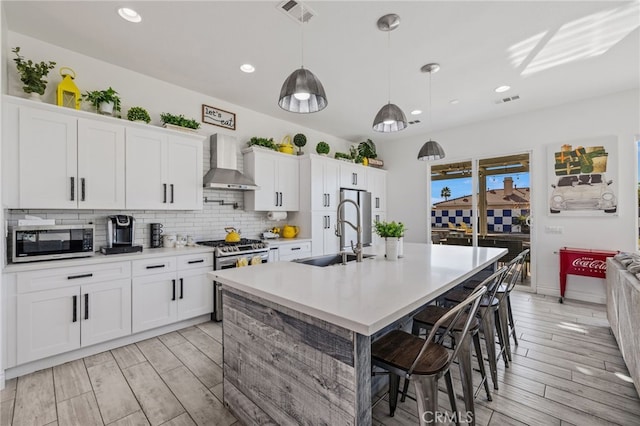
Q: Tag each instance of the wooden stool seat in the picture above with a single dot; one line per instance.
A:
(399, 349)
(432, 313)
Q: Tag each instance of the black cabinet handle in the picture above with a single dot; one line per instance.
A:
(195, 261)
(86, 306)
(181, 288)
(164, 190)
(75, 277)
(328, 200)
(281, 199)
(75, 309)
(276, 203)
(296, 248)
(73, 188)
(174, 290)
(171, 193)
(155, 266)
(82, 190)
(377, 202)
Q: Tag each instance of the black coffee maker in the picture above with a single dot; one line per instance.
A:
(121, 231)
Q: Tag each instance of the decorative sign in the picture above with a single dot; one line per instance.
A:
(218, 117)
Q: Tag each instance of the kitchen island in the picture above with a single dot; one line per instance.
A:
(297, 337)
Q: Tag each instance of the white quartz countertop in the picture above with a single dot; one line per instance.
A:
(147, 253)
(363, 297)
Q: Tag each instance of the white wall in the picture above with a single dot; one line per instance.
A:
(3, 87)
(615, 114)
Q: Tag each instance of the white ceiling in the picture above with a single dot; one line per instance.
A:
(586, 49)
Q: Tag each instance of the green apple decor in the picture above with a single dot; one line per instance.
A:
(138, 114)
(31, 73)
(300, 140)
(322, 148)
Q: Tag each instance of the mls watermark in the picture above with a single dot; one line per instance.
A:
(461, 417)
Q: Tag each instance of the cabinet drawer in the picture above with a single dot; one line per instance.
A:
(153, 266)
(49, 279)
(194, 261)
(294, 251)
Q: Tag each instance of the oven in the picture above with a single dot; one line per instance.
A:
(232, 255)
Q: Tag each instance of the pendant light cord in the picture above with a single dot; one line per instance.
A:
(302, 35)
(430, 130)
(389, 66)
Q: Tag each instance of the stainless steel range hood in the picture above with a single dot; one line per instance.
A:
(224, 172)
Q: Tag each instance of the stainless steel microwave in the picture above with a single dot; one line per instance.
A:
(48, 242)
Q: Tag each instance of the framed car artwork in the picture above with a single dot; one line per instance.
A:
(583, 177)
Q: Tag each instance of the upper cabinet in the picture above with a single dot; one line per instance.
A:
(58, 158)
(377, 185)
(277, 175)
(164, 172)
(353, 176)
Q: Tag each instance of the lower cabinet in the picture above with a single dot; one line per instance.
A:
(59, 320)
(294, 250)
(167, 290)
(323, 232)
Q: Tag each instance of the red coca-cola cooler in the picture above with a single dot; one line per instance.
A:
(584, 262)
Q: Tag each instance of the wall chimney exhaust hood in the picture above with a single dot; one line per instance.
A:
(224, 172)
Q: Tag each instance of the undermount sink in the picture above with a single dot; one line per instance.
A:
(330, 259)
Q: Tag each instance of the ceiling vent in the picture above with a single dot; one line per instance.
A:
(505, 100)
(293, 9)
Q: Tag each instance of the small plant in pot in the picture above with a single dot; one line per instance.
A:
(138, 114)
(263, 142)
(300, 140)
(32, 73)
(392, 232)
(104, 101)
(179, 120)
(322, 148)
(343, 156)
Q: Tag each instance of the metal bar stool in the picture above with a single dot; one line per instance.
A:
(425, 361)
(506, 313)
(490, 320)
(427, 318)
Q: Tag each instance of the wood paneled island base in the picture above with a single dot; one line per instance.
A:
(284, 367)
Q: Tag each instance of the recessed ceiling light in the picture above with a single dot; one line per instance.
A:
(416, 112)
(454, 101)
(129, 14)
(502, 89)
(248, 68)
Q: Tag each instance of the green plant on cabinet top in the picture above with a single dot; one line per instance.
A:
(138, 114)
(263, 142)
(322, 148)
(97, 97)
(367, 149)
(31, 73)
(179, 120)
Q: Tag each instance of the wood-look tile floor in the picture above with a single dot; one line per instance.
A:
(567, 370)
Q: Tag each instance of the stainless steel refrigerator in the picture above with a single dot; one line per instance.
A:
(348, 212)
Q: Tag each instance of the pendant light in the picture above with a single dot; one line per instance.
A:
(431, 150)
(302, 91)
(390, 118)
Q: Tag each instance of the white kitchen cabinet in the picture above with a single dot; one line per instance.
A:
(294, 250)
(325, 190)
(59, 310)
(353, 176)
(164, 172)
(277, 175)
(170, 289)
(325, 241)
(377, 185)
(377, 216)
(67, 162)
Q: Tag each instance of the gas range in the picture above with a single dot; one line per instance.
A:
(244, 246)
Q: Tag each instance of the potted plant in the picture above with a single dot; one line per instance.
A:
(342, 156)
(392, 232)
(32, 74)
(300, 140)
(522, 221)
(138, 114)
(263, 142)
(104, 101)
(178, 120)
(367, 149)
(322, 148)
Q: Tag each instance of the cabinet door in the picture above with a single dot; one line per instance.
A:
(101, 165)
(105, 311)
(331, 242)
(288, 184)
(184, 162)
(262, 168)
(48, 160)
(353, 176)
(377, 181)
(48, 323)
(332, 183)
(195, 293)
(377, 216)
(325, 188)
(147, 185)
(153, 301)
(324, 239)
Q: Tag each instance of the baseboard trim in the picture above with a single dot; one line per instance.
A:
(2, 383)
(41, 364)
